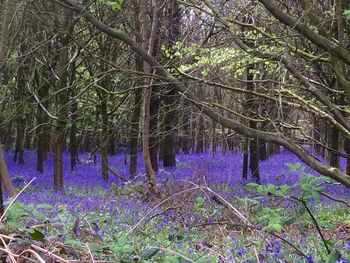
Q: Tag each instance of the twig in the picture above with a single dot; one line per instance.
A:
(15, 198)
(49, 253)
(165, 200)
(175, 253)
(6, 247)
(117, 175)
(335, 199)
(41, 260)
(317, 226)
(90, 253)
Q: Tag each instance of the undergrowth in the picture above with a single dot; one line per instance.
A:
(192, 223)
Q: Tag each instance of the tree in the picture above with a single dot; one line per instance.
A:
(275, 137)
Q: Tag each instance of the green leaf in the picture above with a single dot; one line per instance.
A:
(37, 235)
(45, 206)
(284, 188)
(74, 243)
(271, 188)
(14, 224)
(334, 257)
(116, 4)
(252, 186)
(39, 215)
(294, 167)
(347, 14)
(149, 253)
(306, 187)
(316, 195)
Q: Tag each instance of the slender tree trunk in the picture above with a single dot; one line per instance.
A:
(10, 7)
(169, 156)
(213, 139)
(347, 150)
(42, 119)
(112, 145)
(61, 101)
(334, 144)
(22, 81)
(104, 136)
(262, 146)
(148, 91)
(223, 140)
(4, 175)
(200, 135)
(153, 125)
(253, 143)
(134, 122)
(73, 141)
(1, 200)
(186, 137)
(245, 159)
(145, 142)
(134, 131)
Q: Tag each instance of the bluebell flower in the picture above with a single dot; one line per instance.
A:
(347, 245)
(310, 257)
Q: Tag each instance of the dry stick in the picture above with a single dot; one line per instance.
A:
(41, 260)
(2, 237)
(200, 188)
(12, 255)
(234, 209)
(15, 198)
(90, 253)
(335, 199)
(117, 175)
(6, 247)
(165, 200)
(297, 250)
(256, 254)
(237, 212)
(175, 253)
(50, 253)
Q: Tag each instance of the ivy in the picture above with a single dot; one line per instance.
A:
(116, 5)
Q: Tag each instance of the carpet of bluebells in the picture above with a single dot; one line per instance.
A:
(119, 222)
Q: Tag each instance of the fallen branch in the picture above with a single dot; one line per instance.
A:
(118, 175)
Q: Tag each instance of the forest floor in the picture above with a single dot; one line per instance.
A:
(206, 213)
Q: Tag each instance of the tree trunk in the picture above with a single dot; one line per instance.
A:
(134, 131)
(42, 119)
(186, 137)
(153, 126)
(213, 139)
(22, 81)
(1, 200)
(10, 7)
(253, 143)
(169, 156)
(4, 175)
(334, 145)
(200, 135)
(224, 141)
(347, 150)
(62, 98)
(145, 142)
(245, 159)
(262, 146)
(73, 141)
(104, 136)
(134, 122)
